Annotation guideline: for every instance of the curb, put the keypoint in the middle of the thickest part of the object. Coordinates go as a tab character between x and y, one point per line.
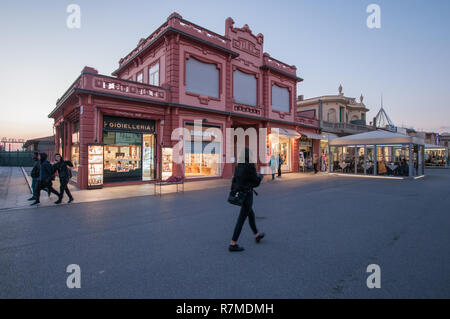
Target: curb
27	179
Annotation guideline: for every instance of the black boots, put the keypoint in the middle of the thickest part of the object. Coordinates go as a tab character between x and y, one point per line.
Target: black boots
70	200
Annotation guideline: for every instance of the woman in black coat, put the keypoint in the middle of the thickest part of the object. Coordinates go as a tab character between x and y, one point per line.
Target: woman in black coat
244	180
64	176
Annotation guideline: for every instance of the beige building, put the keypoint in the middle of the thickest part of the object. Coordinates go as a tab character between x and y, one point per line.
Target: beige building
338	114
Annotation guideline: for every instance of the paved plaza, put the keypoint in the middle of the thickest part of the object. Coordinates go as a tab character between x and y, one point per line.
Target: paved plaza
322	232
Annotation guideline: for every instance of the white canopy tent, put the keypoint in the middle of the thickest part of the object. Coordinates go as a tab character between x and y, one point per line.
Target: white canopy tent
377	137
377	152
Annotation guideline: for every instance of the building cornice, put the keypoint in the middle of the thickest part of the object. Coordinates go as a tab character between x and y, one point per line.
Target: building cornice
184	106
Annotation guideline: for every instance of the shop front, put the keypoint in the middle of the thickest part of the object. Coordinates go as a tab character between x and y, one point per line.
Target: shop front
128	152
436	156
308	151
75	150
203	151
305	154
324	151
283	144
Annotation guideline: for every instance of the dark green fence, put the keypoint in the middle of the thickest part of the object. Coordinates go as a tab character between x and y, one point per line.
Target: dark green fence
16	158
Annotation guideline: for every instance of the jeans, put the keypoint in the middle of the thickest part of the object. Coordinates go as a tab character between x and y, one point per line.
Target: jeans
34	186
246	211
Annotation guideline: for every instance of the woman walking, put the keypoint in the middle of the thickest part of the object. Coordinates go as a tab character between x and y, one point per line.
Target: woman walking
244	180
64	174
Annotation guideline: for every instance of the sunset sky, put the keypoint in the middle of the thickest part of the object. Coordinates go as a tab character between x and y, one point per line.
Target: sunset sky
407	60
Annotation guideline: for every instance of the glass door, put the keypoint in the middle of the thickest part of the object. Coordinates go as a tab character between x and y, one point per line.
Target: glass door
148	157
285	152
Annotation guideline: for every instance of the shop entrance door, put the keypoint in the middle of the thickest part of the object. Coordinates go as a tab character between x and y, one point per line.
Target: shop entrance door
148	157
285	152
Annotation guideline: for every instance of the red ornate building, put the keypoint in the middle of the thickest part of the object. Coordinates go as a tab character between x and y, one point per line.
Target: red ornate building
117	129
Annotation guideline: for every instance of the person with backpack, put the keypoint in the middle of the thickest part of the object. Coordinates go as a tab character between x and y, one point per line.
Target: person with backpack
45	178
65	174
34	175
245	179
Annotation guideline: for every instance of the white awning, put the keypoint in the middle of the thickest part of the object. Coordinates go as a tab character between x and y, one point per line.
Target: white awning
288	133
313	136
434	147
376	137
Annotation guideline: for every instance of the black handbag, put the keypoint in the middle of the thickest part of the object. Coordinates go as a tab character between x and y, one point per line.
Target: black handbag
237	198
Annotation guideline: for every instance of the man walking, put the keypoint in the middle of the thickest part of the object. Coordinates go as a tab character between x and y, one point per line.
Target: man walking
45	178
35	175
280	162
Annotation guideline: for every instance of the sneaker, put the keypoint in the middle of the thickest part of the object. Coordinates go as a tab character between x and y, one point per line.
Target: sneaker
34	203
31	198
235	248
259	237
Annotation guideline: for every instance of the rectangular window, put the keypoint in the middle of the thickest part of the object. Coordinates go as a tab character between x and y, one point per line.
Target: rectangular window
153	74
122	156
139	77
202	153
244	88
280	99
202	78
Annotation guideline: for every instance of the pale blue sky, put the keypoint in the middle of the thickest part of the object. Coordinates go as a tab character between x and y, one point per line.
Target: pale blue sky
407	59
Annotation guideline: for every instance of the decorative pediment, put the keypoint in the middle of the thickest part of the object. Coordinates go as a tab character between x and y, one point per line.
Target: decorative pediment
243	38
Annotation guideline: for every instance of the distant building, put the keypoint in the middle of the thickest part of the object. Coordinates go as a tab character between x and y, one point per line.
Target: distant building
42	144
337	114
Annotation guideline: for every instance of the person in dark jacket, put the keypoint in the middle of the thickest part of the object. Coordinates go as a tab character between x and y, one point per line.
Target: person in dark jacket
245	179
35	175
64	174
280	162
45	178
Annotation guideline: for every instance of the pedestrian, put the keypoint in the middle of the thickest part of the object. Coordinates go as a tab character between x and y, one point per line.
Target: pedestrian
34	175
315	164
245	179
273	165
280	162
65	174
45	178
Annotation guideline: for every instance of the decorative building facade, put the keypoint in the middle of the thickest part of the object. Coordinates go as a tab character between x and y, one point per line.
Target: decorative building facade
338	115
118	129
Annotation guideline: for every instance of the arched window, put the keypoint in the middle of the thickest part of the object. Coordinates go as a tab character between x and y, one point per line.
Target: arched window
280	98
202	78
244	88
331	116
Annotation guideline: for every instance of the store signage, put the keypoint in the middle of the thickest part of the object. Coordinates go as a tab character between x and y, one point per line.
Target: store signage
128	125
305	143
